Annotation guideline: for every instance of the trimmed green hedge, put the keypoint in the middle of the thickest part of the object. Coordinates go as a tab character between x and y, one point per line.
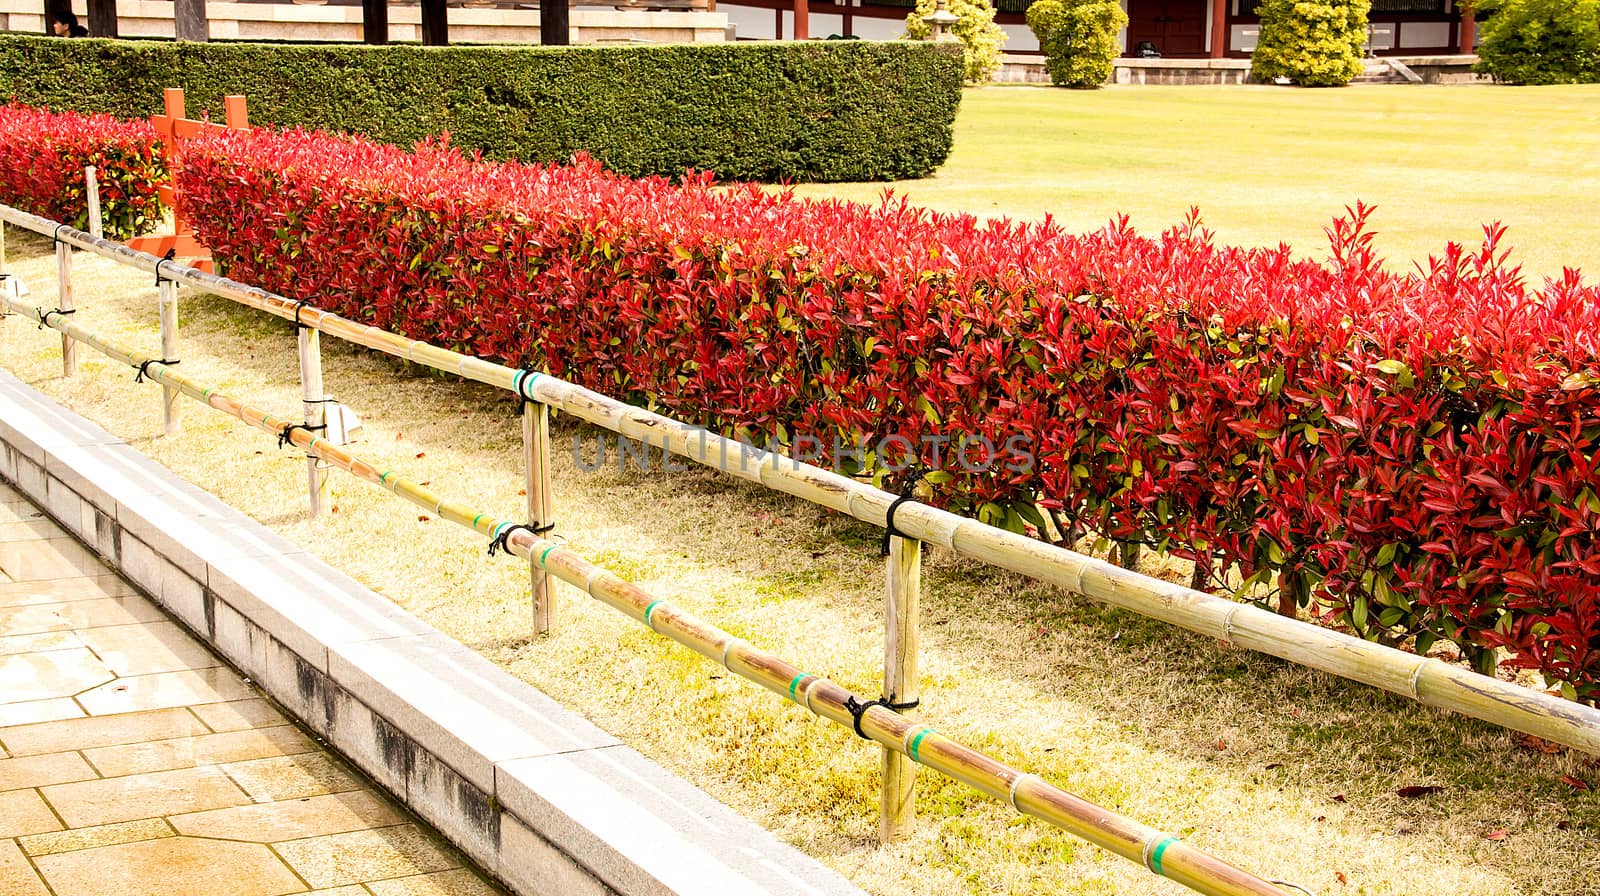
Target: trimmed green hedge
809	111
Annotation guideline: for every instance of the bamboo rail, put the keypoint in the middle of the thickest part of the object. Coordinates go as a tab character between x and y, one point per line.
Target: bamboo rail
1428	681
1161	853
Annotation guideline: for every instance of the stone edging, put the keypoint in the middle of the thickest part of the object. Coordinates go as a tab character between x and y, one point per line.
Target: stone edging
540	798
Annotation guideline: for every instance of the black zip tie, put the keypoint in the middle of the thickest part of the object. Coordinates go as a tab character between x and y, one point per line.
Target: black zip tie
144	368
171	254
545	529
288	430
329	400
299	307
56	237
44	316
857	709
500	543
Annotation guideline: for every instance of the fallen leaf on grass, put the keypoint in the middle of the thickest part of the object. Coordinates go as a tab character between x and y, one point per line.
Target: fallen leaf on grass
1340	877
1497	835
422	519
1338	797
1412	791
1574	783
1538	744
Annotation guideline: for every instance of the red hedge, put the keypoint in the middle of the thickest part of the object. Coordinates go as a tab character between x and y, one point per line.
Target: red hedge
1417	452
43	154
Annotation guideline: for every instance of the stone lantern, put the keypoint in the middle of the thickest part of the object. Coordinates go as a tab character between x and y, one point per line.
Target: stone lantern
940	21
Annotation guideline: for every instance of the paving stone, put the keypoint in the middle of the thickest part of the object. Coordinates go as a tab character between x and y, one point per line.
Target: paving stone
177	866
22	812
147	648
238	714
316	816
341	859
55	591
291	777
37	642
165	689
48	768
459	882
77	734
207	749
28	530
124	610
53	673
48	559
39	711
16	875
144	796
97	836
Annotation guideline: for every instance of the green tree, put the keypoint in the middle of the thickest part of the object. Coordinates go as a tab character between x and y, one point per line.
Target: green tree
1313	43
1079	39
1541	41
980	37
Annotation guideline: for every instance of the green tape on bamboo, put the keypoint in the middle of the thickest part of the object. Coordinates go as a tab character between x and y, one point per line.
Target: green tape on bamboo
651	608
794	686
916	744
1156	852
479	517
546	554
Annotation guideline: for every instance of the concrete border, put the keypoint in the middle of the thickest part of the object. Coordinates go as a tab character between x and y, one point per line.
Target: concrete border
540	798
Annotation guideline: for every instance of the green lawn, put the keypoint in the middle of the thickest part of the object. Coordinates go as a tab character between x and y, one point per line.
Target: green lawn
1268	165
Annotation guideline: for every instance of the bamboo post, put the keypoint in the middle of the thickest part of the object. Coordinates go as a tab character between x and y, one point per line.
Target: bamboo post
69	349
91	186
313	397
170	411
536	463
897	815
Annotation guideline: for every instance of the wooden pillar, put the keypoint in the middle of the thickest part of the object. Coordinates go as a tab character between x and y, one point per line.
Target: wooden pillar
536	463
435	23
91	189
375	22
902	635
1219	28
314	404
103	18
802	20
170	409
69	349
1468	35
553	28
189	20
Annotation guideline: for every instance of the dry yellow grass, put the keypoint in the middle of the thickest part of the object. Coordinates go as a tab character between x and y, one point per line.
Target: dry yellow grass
1289	773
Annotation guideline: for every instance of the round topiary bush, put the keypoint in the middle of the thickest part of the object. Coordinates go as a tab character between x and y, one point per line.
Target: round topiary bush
1079	39
1541	41
980	37
1313	43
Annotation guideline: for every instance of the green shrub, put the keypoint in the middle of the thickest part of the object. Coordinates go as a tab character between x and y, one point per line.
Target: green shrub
1541	41
1079	39
980	37
811	111
1313	43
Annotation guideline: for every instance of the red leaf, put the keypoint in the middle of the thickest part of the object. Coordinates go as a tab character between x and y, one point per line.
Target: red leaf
1413	791
1574	783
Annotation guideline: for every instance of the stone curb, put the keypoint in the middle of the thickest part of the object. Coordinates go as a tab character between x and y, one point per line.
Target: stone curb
539	797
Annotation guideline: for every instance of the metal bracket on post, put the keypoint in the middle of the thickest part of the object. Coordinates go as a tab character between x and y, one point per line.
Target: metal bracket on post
170	410
536	461
902	636
69	349
315	402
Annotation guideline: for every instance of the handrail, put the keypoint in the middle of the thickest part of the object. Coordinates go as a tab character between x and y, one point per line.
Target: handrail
1028	794
1425	680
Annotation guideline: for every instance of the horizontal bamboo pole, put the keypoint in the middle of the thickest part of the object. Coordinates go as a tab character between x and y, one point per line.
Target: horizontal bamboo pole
1028	794
1428	681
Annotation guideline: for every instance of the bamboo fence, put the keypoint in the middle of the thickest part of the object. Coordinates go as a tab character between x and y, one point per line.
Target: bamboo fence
1428	681
1028	794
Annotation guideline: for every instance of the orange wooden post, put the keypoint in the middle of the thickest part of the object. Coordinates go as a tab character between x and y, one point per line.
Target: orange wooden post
1219	28
174	128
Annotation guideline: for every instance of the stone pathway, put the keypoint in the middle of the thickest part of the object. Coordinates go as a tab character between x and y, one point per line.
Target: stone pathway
133	762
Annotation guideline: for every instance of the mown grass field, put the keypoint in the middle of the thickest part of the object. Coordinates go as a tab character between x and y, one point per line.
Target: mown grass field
1268	165
1289	773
